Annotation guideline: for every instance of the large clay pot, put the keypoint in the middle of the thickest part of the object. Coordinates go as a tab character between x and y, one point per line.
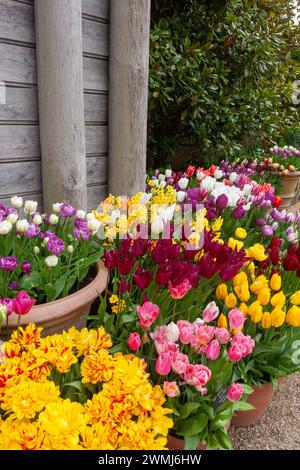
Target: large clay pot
61	314
260	399
176	443
289	185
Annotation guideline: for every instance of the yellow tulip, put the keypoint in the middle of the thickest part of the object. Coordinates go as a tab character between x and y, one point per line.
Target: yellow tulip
264	296
295	298
293	316
256	315
221	292
266	320
235	244
251	269
240	279
275	282
278	300
242	293
258	284
222	321
257	252
240	233
230	301
243	308
277	317
254	307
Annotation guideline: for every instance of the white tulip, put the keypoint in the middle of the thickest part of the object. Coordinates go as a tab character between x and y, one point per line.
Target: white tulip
51	261
183	183
56	207
157	226
45	241
172	333
200	175
22	225
37	219
163	184
233	177
5	227
53	219
247	189
208	184
161	177
93	225
70	249
12	218
30	207
16	202
198	321
36	250
180	196
218	174
168	173
90	216
81	214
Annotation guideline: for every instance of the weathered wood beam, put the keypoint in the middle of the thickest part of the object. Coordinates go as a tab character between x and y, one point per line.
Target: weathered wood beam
61	103
128	94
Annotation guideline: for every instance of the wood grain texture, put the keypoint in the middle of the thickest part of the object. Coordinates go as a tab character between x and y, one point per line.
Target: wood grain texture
21	104
96	170
96	194
19	142
95	37
96	140
18	177
129	62
61	103
95	107
97	8
17	21
95	74
17	64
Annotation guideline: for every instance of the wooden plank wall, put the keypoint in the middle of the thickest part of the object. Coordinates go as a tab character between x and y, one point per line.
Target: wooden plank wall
20	156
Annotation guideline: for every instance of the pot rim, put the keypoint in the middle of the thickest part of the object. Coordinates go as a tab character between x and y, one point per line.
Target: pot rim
59	308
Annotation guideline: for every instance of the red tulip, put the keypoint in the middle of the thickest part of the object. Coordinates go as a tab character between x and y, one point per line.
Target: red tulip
277	201
190	170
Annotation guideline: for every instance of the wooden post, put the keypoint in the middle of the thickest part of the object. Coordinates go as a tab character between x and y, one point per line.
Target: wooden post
128	95
61	103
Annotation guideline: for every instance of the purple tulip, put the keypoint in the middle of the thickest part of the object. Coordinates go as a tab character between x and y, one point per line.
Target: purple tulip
238	213
81	224
9	263
222	202
260	222
267	231
14	285
26	267
81	234
55	245
67	211
32	231
3	212
290	218
48	234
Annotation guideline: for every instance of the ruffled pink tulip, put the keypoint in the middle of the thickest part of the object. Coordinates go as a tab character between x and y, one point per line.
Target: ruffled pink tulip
186	331
222	335
235	392
180	363
171	389
210	312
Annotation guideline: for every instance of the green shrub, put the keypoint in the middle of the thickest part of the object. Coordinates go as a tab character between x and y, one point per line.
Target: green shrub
221	76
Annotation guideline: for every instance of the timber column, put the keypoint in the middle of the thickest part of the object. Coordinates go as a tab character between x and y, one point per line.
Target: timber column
61	102
128	95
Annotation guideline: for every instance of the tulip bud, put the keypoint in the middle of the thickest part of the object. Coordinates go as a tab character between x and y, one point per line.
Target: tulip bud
5	227
53	219
36	250
16	202
37	219
81	214
56	207
70	249
12	218
134	341
51	261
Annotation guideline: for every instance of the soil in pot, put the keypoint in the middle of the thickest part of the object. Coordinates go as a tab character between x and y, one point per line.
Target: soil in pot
260	399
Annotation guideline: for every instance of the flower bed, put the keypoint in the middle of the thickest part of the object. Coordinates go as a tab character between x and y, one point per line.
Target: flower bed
204	287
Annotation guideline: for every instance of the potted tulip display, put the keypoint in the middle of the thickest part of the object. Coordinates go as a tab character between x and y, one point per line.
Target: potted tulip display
54	259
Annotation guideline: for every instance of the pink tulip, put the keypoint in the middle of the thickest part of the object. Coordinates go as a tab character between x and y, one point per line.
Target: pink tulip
178	292
134	341
23	303
186	331
210	312
180	363
235	352
235	392
147	314
163	365
212	351
9	304
171	389
197	376
222	335
203	334
236	319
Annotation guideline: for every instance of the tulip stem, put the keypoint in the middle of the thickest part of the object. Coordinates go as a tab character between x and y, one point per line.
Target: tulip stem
174	310
18	328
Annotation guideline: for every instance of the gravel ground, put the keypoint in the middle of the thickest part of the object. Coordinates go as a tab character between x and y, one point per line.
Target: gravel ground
279	428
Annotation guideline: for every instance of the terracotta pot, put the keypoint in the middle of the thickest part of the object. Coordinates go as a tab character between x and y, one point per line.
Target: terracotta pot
289	184
177	443
260	399
61	314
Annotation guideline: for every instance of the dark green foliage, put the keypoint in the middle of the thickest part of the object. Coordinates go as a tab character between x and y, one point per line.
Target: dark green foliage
221	74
